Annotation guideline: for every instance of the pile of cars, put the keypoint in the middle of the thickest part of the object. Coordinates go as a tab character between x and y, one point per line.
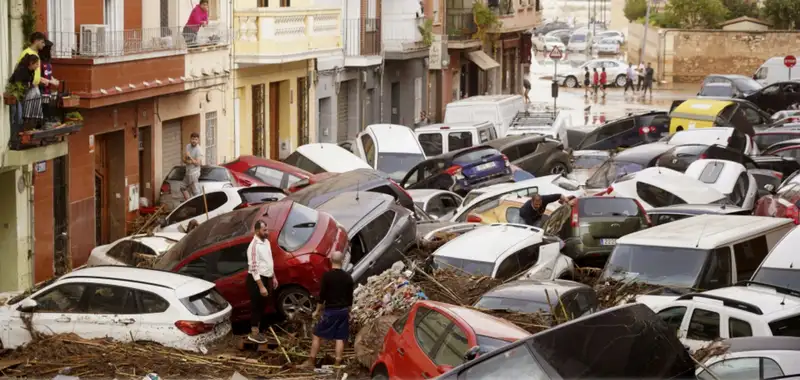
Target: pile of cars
594	37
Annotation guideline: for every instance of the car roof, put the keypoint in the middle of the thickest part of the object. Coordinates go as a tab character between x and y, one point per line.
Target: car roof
393	138
472	100
697	209
710	104
184	286
261	161
348	181
534	290
331	157
703	231
483	324
675	182
350	207
487	243
509	140
767	299
762	343
423	195
729	76
643	154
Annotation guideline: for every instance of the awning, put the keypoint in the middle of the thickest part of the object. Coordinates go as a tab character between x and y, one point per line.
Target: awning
483	60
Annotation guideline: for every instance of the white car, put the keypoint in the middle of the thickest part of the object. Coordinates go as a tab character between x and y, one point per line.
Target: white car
389	148
606	46
713	136
616	71
323	158
730	178
212	178
660	187
124	251
122	303
731	312
202	208
435	202
506	251
547	43
754	358
551	184
611	35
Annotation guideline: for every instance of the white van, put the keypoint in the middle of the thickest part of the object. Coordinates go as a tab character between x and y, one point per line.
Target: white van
498	109
390	148
323	157
437	139
773	70
781	268
728	177
580	40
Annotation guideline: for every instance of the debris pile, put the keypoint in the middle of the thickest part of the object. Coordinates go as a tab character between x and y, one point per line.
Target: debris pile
455	286
388	293
369	340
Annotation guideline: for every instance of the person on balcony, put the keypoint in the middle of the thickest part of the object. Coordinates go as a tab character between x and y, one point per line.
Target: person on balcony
36	44
46	68
30	106
198	18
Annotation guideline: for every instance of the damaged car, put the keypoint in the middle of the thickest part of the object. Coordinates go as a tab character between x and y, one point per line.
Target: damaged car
563	299
354	180
135	249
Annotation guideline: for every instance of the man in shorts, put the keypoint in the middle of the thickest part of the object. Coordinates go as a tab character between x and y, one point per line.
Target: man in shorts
526	85
191	159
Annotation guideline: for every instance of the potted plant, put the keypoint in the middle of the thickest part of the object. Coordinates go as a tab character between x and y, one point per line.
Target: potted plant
70	101
13	93
74	117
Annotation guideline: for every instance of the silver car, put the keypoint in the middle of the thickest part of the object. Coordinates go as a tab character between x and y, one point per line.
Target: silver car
211	178
606	46
615	70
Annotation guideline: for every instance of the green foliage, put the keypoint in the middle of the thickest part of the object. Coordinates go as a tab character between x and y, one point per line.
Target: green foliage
426	30
740	8
635	9
28	18
783	14
74	115
485	20
696	14
15	89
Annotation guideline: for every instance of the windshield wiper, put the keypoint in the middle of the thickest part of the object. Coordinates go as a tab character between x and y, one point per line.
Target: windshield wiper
305	225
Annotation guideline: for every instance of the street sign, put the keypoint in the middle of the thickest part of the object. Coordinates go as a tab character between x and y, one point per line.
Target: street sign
789	61
556	53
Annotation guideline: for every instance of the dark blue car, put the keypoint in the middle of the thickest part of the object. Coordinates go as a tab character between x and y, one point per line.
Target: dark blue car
460	171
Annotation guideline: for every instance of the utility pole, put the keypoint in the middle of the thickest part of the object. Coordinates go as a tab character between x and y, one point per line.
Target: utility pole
646	26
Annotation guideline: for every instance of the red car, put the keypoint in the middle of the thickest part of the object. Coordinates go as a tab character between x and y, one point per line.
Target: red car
273	173
433	337
783	204
301	239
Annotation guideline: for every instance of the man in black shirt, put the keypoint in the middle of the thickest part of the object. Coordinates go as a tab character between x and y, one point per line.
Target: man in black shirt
649	73
335	298
532	210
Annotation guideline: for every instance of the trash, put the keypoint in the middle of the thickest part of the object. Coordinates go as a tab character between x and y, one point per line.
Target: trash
390	292
151	376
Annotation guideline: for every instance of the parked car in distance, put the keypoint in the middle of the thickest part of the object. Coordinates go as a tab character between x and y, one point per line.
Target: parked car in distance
612	35
212	178
659	187
430	324
777	96
270	172
753	357
667	214
547	43
389	148
606	46
729	178
380	231
323	157
460	171
301	239
562	298
739	86
356	180
615	70
131	303
438	139
134	249
561	34
537	155
206	206
625	132
435	202
580	40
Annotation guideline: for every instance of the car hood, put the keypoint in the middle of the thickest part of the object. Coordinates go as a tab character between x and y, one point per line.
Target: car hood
427	230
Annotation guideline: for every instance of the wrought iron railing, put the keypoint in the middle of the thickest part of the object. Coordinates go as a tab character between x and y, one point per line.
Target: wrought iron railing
461	24
361	36
41	120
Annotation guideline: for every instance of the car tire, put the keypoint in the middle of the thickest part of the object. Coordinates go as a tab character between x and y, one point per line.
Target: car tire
380	373
558	167
571	82
292	299
620	81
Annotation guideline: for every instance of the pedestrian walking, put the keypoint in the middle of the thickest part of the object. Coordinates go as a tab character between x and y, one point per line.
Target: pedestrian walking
526	87
192	160
640	75
335	300
603	81
629	78
261	280
649	75
595	81
586	82
198	18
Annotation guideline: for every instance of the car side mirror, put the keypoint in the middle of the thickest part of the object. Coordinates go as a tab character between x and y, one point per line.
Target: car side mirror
444	369
770	187
27	306
472	353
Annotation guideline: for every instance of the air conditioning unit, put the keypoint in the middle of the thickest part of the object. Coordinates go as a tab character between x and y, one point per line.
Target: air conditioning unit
94	40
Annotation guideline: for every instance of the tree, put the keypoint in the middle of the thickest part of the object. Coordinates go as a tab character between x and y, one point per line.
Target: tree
635	9
783	14
696	14
740	8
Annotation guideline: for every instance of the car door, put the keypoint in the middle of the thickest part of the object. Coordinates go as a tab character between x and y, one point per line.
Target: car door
111	312
153	317
416	346
378	251
612	136
704	326
57	312
529	159
229	273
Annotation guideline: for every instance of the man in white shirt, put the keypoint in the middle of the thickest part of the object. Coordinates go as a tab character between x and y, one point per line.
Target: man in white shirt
260	280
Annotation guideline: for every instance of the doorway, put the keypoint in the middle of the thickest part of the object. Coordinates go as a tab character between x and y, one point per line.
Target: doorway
259	120
146	165
325	120
100	190
61	261
274	119
302	111
395	103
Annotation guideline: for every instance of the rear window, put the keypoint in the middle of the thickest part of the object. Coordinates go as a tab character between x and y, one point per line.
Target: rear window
765	140
475	155
711	172
786	327
298	228
431	143
656	196
204	304
590	207
296	159
475	268
717	89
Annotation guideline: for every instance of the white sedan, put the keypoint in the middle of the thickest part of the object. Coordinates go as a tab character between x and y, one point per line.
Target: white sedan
131	250
606	46
615	70
121	303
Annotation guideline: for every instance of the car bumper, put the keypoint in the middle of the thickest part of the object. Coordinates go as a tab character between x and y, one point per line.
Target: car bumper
462	189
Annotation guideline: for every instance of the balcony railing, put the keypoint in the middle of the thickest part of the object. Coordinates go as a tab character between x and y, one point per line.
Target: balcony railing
264	35
97	41
402	34
502	7
42	120
460	24
362	36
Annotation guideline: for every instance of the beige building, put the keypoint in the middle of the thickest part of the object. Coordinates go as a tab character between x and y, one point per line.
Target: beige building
745	24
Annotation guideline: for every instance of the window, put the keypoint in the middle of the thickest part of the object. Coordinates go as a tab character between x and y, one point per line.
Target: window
435	206
704	325
64	298
512	215
298	228
526	149
762	74
254	195
199	267
492	133
717	271
451	350
711	172
213	9
656	196
106	299
528	256
514	363
483	135
376	230
752	116
429	326
742	369
298	160
615	128
459	140
197	206
673	317
431	143
789	153
206	303
267	175
400	323
128	252
436	7
417	99
369	148
749	255
449	202
508	267
152	303
738	328
211	138
231	260
786	327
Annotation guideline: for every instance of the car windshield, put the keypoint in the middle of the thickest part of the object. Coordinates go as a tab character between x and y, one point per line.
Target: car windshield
476	268
780	277
747	84
603	207
588	162
717	89
489	344
611	171
471	197
396	165
511	304
298	228
664	266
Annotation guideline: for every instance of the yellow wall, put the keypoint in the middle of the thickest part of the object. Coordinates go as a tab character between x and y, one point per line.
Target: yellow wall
15	267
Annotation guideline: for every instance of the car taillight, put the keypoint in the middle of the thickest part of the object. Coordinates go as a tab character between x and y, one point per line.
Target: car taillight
646	130
779	175
574	219
453	170
793	213
165	188
702	156
505	158
192	328
397	185
641	209
444	127
241	206
605	192
472	218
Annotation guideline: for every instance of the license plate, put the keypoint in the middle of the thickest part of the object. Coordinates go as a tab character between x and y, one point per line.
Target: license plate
608	241
486	166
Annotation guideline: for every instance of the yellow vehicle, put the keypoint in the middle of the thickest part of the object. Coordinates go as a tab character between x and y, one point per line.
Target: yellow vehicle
707	113
503	210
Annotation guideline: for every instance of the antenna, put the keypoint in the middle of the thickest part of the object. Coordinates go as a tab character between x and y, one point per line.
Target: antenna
357	185
699	237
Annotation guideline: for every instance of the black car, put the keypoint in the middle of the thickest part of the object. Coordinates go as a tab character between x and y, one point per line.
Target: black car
623	342
729	86
562	298
626	132
354	180
786	165
765	141
777	96
460	171
680	157
537	155
626	162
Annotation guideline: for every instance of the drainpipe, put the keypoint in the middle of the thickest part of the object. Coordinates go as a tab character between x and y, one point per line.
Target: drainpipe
27	177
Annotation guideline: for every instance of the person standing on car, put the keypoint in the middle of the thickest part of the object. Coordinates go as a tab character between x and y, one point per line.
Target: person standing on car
191	158
261	280
630	77
603	81
649	75
532	211
335	300
586	82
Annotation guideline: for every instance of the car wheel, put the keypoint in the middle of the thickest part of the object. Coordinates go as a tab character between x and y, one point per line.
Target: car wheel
571	82
620	81
558	168
294	299
380	373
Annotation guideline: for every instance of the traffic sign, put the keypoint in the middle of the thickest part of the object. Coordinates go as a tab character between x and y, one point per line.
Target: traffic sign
555	53
789	61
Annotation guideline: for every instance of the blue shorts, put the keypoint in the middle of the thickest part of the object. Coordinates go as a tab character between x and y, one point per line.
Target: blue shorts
334	325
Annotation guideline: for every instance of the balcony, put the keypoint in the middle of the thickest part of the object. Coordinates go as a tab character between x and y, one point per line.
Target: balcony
42	137
516	15
461	29
402	37
362	42
279	35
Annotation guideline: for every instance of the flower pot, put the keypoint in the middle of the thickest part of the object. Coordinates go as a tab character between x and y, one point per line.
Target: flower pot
9	99
71	102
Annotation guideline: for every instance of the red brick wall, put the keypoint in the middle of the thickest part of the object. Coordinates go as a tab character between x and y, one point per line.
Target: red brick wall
43	223
83	75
